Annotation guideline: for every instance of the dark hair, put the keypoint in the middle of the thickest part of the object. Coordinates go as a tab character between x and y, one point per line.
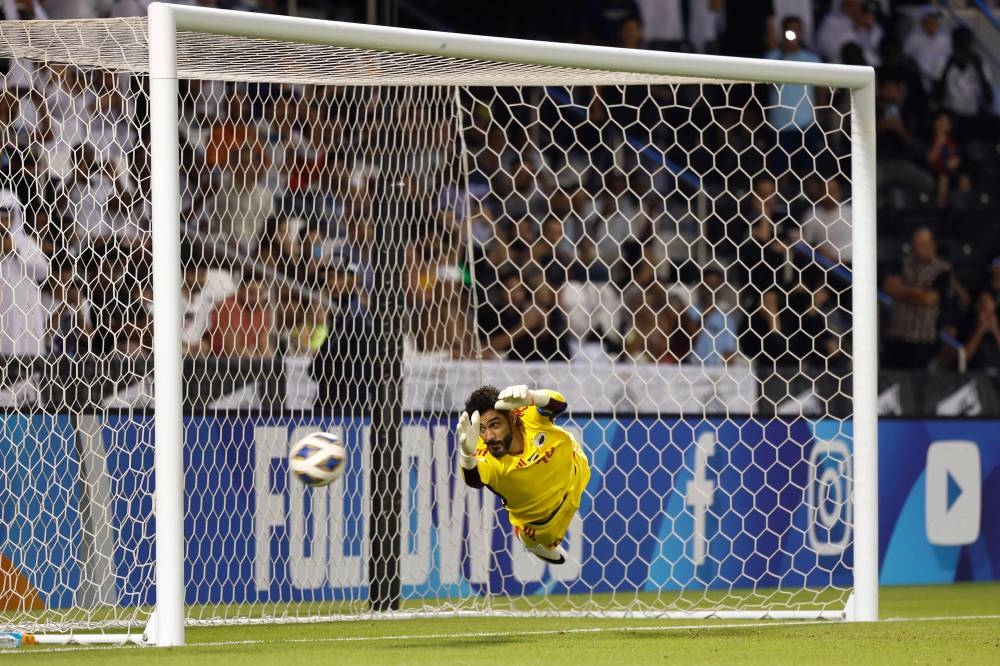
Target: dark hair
788	20
482	399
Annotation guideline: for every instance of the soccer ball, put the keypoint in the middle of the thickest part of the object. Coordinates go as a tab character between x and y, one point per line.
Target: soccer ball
318	459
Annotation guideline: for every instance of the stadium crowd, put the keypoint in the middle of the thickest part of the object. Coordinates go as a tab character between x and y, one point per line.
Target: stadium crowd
578	249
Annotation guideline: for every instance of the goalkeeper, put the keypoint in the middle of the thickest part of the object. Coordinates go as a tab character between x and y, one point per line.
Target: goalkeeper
508	443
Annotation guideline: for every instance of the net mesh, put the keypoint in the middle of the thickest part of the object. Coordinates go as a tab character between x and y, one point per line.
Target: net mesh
673	256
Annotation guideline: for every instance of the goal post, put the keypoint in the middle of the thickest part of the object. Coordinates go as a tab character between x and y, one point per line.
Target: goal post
385	197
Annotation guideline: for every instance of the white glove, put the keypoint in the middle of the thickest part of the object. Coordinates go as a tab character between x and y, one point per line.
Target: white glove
467	434
515	397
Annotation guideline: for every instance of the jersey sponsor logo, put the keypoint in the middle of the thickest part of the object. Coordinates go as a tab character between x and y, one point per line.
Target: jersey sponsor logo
539	440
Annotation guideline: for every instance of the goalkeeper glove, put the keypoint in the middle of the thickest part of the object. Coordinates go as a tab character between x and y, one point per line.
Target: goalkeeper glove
467	434
515	397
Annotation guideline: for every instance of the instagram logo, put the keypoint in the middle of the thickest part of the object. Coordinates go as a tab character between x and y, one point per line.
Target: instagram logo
829	499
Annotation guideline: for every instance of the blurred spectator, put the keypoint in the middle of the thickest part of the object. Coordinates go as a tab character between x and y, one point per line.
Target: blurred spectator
23	268
855	21
827	227
310	329
243	324
899	152
69	314
765	341
965	87
981	339
802	10
18	163
196	308
658	325
918	291
766	258
992	283
549	254
792	107
703	25
663	23
944	158
618	220
812	342
343	366
715	340
244	200
277	244
605	17
103	121
748	27
524	323
236	127
631	34
93	195
929	46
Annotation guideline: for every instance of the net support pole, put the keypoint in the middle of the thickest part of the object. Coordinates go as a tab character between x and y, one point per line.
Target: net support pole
168	505
865	352
388	307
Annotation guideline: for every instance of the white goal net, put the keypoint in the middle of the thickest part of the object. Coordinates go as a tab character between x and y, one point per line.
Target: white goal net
366	237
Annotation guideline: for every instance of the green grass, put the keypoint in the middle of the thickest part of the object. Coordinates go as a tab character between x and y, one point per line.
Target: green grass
921	625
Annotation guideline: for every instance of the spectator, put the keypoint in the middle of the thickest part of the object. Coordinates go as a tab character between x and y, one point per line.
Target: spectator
245	199
802	10
310	328
812	342
524	322
748	27
243	324
631	34
343	366
18	163
69	315
982	335
765	341
792	107
929	46
944	159
918	291
618	220
703	25
965	87
855	21
663	23
992	283
659	327
766	258
605	17
715	341
826	227
899	152
196	306
92	196
23	268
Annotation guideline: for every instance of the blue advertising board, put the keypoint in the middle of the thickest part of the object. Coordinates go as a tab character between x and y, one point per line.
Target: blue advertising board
672	504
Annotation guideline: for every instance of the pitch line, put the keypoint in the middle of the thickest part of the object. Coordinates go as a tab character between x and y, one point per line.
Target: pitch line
704	626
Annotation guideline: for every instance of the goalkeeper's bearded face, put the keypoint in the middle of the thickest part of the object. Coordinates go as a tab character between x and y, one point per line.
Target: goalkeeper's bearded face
497	433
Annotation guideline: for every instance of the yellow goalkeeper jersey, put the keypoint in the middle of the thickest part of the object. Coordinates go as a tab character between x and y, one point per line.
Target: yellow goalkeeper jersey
535	483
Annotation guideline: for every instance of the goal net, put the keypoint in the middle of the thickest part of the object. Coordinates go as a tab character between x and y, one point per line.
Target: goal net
364	226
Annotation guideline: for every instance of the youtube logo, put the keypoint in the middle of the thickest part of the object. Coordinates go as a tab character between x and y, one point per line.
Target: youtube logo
953	495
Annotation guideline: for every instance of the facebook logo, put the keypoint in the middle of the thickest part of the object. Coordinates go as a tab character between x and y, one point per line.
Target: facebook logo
953	497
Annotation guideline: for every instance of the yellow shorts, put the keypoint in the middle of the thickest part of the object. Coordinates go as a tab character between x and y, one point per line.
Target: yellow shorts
551	533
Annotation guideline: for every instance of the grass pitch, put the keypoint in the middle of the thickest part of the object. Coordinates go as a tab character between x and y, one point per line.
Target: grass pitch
958	624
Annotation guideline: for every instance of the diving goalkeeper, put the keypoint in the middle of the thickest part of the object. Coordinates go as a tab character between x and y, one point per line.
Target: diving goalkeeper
508	443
